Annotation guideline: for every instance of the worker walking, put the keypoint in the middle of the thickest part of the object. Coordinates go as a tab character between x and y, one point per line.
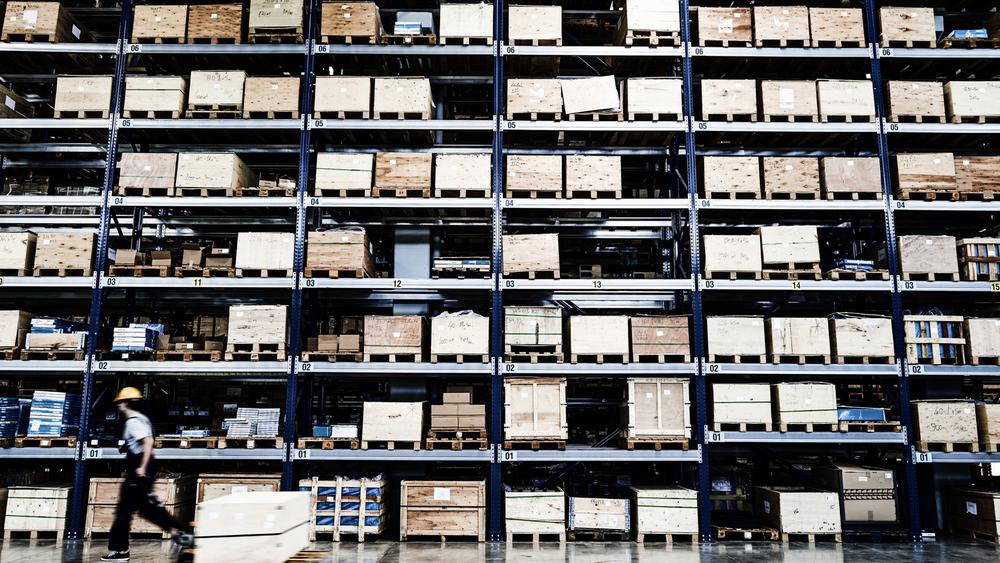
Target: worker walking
137	490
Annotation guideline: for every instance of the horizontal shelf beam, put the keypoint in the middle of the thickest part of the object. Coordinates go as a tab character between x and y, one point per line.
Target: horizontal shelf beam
381	369
808	437
235	369
481	456
235	123
197	282
612	126
598	370
583	453
795	285
404	124
791	205
797	127
401	202
202	202
797	370
643	204
414	50
402	284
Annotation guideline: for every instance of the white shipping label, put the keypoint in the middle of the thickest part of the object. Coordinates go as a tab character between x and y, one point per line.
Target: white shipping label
396	335
30	18
659	333
850	163
786	97
767	507
666	392
726	25
442	493
239	489
157	19
9	102
649	395
862	478
274	86
76	32
347	15
971	508
214	16
789	168
147	168
888	475
967	411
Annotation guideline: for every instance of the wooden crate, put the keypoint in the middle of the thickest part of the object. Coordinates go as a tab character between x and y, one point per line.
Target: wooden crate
36	508
392	422
730	177
265	251
13	326
781	26
213	170
533	327
846	100
850	176
535	513
934	257
736	336
944	421
215	23
355	503
394	335
728	99
664	510
798	338
534	174
983	338
917	174
460	335
741	403
804	403
344	174
534	98
534	408
869	493
148	171
175	493
271	95
591	176
662	338
791	247
161	24
596	95
464	175
265	526
977	176
249	324
342	97
41	21
861	337
648	22
653	99
797	510
725	26
988	421
339	251
974	512
795	177
65	251
350	22
789	100
400	173
442	509
934	339
465	24
907	27
598	336
837	27
917	101
531	254
408	98
534	25
12	105
599	514
17	253
214	485
145	96
272	20
82	96
974	102
657	407
731	255
216	89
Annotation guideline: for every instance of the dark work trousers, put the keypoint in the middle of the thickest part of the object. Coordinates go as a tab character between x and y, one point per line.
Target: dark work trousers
137	495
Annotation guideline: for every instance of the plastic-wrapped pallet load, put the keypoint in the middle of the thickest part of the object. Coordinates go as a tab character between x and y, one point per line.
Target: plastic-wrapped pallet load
260	527
54	413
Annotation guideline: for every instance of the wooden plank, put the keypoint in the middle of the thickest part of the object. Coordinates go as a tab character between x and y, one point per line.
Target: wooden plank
978	175
781	26
339	250
534	25
462	172
542	512
922	101
356	22
923	254
731	175
804	403
741	403
608	514
728	98
213	170
907	27
657	407
850	175
951	421
465	21
82	94
534	97
530	253
791	175
798	336
736	336
732	253
216	87
250	324
534	174
71	250
796	510
724	26
442	494
396	421
17	251
869	336
535	408
401	97
460	335
400	334
159	23
794	100
350	96
400	170
974	101
215	23
660	337
589	173
846	100
271	94
837	27
147	170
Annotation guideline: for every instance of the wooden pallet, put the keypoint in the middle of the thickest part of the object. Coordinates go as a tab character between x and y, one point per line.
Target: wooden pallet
210	40
263	273
738	359
534	194
837	44
392	39
45	442
869	426
908	44
534	357
593	194
401	192
537	42
711	275
335	274
805	118
597	535
33	534
332	357
864	360
650	38
642	116
975	534
291	35
389	115
984	360
80	114
536	537
800	43
970	43
723	43
984	195
661	358
741	427
158	41
975	119
270	114
924	194
13	272
251	442
930	276
206	442
349	39
811	538
534	274
723	533
189	356
596	116
535	444
813	273
853	196
203	192
843	118
657	443
667	538
126	355
144	191
807	427
915	118
51	355
264	192
255	352
474	439
732	117
732	195
314	443
10	354
214	111
463	193
800	359
341	115
465	40
199	272
28	37
599	358
534	116
390	445
413	357
140	271
62	272
460	358
792	195
948	447
858	275
309	556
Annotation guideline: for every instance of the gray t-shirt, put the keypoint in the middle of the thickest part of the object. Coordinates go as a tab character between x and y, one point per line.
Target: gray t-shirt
137	427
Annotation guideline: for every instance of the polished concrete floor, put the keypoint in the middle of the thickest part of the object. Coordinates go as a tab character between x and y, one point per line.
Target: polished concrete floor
41	551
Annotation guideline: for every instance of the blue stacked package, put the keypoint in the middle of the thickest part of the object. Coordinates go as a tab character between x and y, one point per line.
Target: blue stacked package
861	414
54	413
136	337
55	325
10	416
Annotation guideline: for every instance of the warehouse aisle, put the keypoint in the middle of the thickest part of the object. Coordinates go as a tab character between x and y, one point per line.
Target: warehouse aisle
22	551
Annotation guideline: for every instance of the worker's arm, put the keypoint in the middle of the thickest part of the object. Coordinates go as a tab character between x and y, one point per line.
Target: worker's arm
147	452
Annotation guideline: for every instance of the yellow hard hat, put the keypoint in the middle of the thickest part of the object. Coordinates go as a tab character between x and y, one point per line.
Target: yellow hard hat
127	394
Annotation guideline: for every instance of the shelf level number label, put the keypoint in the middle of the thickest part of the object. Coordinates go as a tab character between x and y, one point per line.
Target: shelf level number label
93	453
886	52
916	370
102	366
994	286
715	437
713	368
924	457
509	50
509	284
301	454
507	456
305	366
509	367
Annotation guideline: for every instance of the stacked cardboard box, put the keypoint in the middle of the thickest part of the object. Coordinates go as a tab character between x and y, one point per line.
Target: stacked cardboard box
458	413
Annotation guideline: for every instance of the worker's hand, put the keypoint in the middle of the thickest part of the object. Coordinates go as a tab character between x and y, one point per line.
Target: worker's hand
140	471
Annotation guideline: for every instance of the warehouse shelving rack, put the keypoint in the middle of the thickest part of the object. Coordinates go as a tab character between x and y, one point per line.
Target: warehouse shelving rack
499	207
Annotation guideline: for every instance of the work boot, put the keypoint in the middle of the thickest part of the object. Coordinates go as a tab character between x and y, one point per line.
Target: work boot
116	556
